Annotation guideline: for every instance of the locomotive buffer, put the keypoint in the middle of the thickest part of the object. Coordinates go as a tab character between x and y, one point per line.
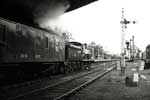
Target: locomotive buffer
124	23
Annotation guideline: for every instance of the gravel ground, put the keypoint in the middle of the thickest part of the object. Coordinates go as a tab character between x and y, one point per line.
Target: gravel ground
113	87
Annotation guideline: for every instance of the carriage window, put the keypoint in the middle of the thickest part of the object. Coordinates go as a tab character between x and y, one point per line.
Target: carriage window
46	43
2	32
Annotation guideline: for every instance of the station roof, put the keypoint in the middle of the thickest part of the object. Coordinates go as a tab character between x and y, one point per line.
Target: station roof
27	11
75	4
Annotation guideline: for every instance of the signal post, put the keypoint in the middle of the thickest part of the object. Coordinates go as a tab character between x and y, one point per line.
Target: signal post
124	23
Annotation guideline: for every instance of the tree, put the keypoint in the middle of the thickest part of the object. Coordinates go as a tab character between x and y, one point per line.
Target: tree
96	50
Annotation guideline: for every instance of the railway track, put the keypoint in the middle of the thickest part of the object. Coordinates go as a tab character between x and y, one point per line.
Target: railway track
62	90
34	85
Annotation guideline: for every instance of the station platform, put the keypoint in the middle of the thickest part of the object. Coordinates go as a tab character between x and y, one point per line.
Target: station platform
113	86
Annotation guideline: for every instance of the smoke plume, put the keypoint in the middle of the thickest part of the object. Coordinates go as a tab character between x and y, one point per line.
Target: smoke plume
32	12
49	10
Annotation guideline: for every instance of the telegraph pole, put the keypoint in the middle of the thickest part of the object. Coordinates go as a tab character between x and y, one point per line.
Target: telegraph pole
124	23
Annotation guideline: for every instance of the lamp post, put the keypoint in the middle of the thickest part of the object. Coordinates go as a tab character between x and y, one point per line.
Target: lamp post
133	48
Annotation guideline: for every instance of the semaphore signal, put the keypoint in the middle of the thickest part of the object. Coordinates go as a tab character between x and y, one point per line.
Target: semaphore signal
124	23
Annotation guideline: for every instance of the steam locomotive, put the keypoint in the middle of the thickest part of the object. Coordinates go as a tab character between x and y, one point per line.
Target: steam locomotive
32	51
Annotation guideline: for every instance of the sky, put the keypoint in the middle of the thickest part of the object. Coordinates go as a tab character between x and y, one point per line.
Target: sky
100	22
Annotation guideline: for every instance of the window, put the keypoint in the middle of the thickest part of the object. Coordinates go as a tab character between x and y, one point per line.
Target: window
46	43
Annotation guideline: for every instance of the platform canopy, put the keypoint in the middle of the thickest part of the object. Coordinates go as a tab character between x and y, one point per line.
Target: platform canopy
33	11
75	4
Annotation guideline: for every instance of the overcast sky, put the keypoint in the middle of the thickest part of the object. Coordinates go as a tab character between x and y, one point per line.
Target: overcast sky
100	22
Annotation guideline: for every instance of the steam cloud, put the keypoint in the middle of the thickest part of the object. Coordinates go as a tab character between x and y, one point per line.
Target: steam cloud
46	14
32	12
49	10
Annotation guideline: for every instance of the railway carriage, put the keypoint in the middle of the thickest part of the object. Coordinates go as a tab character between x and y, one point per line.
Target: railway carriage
21	43
25	49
